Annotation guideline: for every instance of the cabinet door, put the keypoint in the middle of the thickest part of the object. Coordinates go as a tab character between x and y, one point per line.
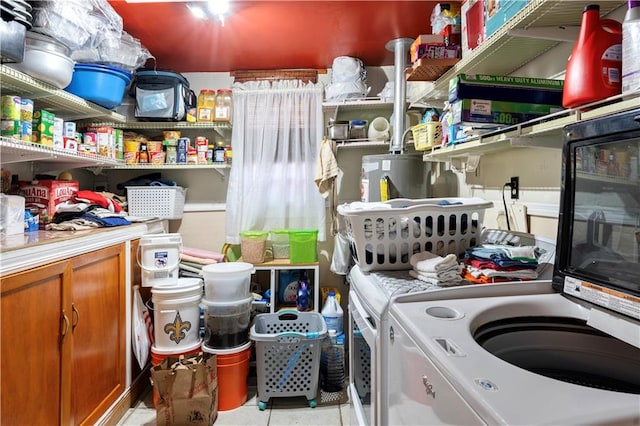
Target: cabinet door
98	324
35	340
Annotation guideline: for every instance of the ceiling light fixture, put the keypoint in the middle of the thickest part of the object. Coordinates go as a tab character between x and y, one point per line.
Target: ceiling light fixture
197	11
217	9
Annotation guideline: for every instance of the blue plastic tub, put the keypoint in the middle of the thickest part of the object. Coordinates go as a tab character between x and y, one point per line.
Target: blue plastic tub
101	84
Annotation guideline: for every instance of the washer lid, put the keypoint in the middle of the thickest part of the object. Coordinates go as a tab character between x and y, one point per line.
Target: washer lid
599	223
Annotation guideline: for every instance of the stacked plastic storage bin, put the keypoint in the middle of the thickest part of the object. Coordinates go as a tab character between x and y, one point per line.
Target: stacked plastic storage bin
227	312
176	301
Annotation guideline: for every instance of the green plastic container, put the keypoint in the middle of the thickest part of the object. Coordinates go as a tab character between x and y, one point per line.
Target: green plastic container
252	246
280	243
303	246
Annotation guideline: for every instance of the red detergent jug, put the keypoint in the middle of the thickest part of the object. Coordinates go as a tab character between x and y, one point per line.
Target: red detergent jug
595	66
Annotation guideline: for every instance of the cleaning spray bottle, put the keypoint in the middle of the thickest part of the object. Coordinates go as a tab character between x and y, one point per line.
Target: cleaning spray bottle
631	48
595	66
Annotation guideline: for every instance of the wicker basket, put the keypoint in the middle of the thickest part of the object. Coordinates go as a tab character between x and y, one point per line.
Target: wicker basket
384	236
164	202
427	135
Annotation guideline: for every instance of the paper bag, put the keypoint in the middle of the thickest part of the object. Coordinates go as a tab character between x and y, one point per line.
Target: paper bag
187	389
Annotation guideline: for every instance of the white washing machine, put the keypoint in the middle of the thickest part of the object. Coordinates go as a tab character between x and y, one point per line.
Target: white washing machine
371	295
561	353
369	298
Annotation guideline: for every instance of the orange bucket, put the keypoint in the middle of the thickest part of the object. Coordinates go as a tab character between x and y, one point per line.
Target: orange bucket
158	355
233	371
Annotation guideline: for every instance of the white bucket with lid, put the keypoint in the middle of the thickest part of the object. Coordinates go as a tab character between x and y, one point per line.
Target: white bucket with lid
159	257
176	314
227	281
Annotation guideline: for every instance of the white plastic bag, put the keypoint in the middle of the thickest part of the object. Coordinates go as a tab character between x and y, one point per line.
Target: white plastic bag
142	338
348	79
341	254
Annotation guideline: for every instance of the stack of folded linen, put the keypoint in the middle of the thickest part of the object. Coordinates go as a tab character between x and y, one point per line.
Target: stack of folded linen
193	259
500	263
438	270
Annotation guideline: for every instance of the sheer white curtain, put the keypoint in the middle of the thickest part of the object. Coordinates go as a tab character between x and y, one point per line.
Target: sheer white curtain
277	134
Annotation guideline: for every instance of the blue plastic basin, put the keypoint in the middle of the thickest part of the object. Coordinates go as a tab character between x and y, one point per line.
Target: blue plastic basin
101	84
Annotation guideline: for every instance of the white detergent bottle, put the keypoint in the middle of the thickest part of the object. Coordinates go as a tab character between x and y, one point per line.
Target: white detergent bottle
631	48
332	313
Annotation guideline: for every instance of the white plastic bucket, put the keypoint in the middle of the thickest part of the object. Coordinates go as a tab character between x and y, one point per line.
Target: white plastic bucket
176	314
228	281
159	257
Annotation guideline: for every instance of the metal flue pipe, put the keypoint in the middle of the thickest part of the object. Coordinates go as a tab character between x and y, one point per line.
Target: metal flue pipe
400	48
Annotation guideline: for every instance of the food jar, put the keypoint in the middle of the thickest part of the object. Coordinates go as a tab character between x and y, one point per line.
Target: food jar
206	105
224	107
358	129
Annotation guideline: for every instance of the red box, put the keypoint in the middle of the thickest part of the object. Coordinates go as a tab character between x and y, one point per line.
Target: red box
47	194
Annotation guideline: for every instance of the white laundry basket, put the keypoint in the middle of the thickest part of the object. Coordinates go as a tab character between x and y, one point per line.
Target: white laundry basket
288	348
384	235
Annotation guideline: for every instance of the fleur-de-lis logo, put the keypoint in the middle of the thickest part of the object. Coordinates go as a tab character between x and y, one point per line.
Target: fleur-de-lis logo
176	329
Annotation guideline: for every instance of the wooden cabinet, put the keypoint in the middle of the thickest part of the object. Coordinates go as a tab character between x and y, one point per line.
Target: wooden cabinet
36	309
98	329
63	339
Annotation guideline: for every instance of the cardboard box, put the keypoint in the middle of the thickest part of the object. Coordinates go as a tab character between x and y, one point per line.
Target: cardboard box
45	195
482	112
43	127
422	43
498	13
472	25
506	88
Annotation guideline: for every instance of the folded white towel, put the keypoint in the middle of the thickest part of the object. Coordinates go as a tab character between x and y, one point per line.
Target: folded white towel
442	283
445	275
429	262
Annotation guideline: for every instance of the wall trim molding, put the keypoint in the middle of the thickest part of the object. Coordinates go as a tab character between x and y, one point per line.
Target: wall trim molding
542	210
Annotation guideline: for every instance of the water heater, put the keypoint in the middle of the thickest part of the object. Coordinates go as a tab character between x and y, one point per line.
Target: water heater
388	176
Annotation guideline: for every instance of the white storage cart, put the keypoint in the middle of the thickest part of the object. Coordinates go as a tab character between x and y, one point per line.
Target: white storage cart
288	349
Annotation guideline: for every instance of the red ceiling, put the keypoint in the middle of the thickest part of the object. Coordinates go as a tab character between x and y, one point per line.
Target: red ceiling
286	34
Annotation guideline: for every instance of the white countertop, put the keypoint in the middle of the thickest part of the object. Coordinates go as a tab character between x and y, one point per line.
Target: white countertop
31	249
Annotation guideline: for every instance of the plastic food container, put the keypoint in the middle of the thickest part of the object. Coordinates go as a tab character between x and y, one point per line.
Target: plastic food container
227	281
303	246
100	84
227	323
280	243
358	129
252	245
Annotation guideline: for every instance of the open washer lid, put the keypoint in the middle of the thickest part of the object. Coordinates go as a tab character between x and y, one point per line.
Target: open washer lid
598	249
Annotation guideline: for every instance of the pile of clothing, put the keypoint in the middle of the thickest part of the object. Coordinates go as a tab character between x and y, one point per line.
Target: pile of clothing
87	210
431	268
500	263
193	259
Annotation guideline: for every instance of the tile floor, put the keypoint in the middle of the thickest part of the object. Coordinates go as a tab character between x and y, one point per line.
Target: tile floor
280	411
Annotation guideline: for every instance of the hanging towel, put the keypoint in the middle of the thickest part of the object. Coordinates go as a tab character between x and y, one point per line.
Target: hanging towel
326	168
